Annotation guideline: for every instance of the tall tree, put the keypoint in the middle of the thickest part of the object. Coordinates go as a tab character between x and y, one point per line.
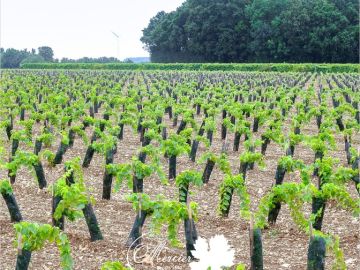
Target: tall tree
46	53
11	58
256	31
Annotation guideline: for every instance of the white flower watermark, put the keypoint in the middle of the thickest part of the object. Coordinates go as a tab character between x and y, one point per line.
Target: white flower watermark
213	254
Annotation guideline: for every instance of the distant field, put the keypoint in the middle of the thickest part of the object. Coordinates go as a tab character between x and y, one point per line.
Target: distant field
278	67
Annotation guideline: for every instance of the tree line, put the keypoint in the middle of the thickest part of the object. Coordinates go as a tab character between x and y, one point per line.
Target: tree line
14	58
256	31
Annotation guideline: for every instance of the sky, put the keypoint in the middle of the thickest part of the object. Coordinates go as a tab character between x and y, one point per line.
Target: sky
78	28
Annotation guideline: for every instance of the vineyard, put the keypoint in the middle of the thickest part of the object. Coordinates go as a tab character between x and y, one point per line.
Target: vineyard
91	160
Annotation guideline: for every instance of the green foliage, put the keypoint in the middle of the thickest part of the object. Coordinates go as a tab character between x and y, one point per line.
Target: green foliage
153	135
113	266
274	134
5	187
28	127
21	135
221	160
290	164
224	164
274	67
333	246
329	175
153	155
241	266
105	144
176	144
48	155
79	131
322	142
64	137
73	199
331	191
208	155
11	58
184	179
121	172
296	195
47	138
230	184
140	169
210	124
250	157
33	236
46	53
295	139
73	166
74	196
256	31
187	177
22	158
354	154
164	212
126	171
293	194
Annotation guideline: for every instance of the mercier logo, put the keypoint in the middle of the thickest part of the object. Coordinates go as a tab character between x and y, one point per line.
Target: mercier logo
214	254
155	254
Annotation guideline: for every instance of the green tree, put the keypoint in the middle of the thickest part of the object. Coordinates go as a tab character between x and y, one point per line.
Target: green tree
256	31
46	53
11	58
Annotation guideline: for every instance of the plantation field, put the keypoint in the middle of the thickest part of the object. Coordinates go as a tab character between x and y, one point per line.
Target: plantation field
228	153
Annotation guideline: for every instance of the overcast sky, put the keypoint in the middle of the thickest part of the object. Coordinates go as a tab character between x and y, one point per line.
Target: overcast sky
77	28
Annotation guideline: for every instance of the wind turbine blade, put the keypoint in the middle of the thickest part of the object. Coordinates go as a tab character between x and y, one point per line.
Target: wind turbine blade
116	35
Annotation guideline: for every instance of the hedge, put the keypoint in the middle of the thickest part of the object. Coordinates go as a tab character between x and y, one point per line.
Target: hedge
281	67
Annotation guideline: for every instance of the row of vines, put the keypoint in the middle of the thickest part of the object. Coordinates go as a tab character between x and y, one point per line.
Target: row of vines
176	116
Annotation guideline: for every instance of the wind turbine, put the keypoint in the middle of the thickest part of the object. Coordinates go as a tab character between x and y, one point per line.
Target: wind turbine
117	44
